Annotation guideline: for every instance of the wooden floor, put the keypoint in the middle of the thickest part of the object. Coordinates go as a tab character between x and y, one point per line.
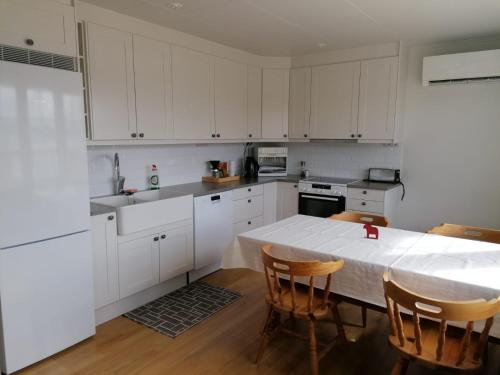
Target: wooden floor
227	343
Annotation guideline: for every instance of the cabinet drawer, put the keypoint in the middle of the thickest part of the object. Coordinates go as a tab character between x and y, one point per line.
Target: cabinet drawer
365	194
247	225
244	209
365	206
249	191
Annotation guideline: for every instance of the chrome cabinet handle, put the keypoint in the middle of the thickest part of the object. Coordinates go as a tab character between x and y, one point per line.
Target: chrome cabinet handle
156	238
110	217
133	135
163	236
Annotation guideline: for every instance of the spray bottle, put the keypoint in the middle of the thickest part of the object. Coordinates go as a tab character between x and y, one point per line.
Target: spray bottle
154	180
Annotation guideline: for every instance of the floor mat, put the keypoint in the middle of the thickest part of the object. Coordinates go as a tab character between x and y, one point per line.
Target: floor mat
180	310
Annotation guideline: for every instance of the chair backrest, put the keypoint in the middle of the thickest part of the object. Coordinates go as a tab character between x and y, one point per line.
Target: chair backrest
362	218
273	267
443	311
467	232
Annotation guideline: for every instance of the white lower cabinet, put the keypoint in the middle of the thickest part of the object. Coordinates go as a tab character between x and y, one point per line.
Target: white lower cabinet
377	202
138	264
151	257
287	200
270	204
248	208
176	252
105	259
246	225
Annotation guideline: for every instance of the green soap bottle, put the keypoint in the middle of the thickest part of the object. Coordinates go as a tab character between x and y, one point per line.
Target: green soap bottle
154	180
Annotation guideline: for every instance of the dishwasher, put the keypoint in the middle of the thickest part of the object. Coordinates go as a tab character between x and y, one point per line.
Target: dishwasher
213	232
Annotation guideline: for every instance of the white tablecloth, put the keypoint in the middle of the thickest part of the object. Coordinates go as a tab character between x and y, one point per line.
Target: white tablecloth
437	266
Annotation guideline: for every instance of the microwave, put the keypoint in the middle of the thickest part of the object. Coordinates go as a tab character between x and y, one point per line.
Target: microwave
384	175
272	161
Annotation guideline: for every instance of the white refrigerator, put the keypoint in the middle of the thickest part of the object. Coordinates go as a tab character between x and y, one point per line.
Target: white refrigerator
46	292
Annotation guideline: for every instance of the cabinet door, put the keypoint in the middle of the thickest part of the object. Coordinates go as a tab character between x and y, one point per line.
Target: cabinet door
270	203
275	84
299	109
377	98
138	264
176	252
111	78
334	101
254	102
50	25
288	200
105	259
230	98
192	82
153	89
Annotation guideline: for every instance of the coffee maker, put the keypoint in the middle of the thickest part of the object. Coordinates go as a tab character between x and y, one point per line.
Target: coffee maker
250	164
251	167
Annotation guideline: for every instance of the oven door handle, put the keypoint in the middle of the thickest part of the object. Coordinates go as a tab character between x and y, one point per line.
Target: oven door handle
320	198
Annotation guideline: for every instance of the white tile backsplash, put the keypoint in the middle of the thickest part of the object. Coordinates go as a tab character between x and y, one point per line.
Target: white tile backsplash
177	164
180	164
342	159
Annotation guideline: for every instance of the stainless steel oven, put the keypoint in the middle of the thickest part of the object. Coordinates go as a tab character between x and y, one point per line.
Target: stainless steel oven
322	197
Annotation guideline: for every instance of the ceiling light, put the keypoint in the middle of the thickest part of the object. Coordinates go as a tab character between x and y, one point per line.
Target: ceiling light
175	6
321	45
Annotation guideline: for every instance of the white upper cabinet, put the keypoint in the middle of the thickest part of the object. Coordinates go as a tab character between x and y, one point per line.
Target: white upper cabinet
230	98
334	100
192	82
377	99
300	103
275	87
40	25
153	89
254	102
110	66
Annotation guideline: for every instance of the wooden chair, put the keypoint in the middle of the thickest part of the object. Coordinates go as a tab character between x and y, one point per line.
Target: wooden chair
431	343
299	301
467	232
362	218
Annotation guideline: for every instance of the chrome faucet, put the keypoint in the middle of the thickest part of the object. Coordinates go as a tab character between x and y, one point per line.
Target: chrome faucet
118	180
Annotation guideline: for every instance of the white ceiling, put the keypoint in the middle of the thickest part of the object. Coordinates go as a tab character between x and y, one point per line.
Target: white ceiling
296	27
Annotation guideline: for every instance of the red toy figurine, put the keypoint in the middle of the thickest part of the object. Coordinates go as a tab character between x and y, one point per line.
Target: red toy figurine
371	230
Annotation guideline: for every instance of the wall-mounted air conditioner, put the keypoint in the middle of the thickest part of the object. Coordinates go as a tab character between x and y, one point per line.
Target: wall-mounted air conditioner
461	67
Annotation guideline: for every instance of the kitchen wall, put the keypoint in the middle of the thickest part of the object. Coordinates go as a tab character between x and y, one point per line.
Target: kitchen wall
451	150
177	164
342	159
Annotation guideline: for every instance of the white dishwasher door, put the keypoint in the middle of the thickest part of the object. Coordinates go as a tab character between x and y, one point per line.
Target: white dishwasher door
213	228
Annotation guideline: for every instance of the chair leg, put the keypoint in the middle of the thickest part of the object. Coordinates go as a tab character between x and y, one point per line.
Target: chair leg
338	322
400	366
363	315
313	348
264	338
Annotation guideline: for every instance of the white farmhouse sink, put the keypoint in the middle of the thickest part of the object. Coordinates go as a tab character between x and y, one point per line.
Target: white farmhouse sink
148	209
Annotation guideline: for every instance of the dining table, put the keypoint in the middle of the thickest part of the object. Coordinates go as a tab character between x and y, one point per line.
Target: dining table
436	266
